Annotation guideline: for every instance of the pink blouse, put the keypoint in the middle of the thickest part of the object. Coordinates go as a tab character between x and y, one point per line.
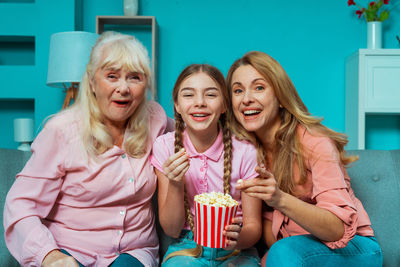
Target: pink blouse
93	208
328	187
206	169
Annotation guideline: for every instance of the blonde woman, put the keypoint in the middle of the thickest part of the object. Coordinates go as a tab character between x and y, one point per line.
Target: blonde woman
313	217
201	156
84	197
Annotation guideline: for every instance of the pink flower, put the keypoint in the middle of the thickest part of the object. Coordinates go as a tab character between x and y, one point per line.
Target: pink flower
351	2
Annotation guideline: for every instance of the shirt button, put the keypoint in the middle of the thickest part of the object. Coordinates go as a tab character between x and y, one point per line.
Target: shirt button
120	232
123	156
122	212
201	182
130	180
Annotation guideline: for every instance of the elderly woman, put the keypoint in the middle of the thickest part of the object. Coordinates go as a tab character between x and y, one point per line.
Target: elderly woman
84	197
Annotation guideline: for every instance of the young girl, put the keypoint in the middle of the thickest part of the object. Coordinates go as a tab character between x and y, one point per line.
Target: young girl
202	156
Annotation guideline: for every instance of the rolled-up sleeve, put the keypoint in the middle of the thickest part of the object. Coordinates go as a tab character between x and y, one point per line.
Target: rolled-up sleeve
32	197
330	190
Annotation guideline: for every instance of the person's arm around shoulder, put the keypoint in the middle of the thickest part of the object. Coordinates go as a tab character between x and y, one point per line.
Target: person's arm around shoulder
159	120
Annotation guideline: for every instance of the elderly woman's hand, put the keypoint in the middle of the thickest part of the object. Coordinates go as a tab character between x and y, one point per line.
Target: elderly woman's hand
263	187
57	258
176	166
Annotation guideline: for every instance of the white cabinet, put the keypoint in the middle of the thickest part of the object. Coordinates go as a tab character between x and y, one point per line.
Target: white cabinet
134	22
372	87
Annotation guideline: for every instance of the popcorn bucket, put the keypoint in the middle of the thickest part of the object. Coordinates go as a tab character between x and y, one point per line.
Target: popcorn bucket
210	222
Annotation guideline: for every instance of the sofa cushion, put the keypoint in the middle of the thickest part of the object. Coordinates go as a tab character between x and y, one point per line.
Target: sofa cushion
375	178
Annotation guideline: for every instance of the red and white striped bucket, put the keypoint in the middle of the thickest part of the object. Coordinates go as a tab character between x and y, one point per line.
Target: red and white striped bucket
209	224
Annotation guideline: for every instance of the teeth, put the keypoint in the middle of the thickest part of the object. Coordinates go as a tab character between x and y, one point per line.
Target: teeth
199	115
251	112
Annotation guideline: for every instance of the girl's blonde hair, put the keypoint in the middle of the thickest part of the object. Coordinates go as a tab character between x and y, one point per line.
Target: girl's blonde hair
288	148
218	77
120	51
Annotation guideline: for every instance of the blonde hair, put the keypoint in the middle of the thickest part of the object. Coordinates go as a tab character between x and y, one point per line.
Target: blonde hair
218	77
120	51
288	148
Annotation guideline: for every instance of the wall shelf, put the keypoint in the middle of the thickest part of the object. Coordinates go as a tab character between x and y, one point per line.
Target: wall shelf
17	50
135	24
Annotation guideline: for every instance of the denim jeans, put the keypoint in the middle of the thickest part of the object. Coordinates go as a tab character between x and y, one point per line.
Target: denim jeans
246	257
307	250
123	260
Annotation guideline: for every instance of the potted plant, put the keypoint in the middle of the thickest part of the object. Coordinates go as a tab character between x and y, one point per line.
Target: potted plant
374	13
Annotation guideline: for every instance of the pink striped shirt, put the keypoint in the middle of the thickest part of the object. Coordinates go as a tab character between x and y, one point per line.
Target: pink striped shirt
328	187
94	209
206	169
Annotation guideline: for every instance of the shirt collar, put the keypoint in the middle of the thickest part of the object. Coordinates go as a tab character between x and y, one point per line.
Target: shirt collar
213	153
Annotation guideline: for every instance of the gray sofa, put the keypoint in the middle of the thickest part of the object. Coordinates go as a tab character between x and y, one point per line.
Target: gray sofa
375	180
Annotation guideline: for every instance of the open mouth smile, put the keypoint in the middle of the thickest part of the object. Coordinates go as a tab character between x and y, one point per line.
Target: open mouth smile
199	116
250	114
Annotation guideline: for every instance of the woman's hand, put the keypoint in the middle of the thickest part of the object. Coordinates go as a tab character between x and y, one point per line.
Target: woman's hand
59	259
176	166
263	187
232	233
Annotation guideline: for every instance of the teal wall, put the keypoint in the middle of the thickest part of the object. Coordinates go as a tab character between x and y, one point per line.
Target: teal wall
310	39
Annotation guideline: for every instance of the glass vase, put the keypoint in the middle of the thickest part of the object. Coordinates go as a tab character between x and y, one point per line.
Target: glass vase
131	7
374	35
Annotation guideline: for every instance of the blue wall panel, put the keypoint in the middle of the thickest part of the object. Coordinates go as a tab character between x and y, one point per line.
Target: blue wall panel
39	19
310	39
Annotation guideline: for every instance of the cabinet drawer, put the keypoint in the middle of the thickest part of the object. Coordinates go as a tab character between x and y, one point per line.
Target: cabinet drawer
382	83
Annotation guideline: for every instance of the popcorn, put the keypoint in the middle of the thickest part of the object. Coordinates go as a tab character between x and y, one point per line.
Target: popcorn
216	199
213	212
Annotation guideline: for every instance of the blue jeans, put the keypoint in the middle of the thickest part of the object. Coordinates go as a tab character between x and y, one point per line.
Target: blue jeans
307	250
246	257
123	260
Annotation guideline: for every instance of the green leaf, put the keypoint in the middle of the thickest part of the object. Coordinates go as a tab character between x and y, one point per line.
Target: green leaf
384	15
378	4
370	15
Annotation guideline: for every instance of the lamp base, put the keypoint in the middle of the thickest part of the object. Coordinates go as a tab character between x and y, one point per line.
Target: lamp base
24	146
71	94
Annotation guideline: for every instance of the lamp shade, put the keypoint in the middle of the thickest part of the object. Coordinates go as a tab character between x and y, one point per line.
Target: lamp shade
23	130
68	57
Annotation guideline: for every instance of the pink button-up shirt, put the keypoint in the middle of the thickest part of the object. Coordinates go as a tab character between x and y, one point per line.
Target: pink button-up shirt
95	209
328	187
205	173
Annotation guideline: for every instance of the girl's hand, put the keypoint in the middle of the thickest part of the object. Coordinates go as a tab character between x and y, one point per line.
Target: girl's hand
176	166
232	233
57	258
263	187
